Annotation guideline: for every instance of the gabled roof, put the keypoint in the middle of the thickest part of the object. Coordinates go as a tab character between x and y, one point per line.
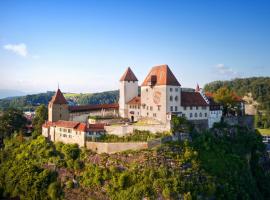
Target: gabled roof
84	108
162	75
135	100
67	124
128	76
192	99
58	98
96	127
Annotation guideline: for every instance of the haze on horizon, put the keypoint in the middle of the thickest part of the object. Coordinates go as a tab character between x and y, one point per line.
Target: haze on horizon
86	46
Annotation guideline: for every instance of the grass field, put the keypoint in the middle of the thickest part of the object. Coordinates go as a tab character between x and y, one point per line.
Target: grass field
264	131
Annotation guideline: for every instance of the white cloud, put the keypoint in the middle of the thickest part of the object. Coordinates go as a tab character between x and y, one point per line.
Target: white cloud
20	49
226	71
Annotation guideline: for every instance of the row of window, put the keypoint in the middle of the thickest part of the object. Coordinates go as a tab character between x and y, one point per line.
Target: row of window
196	115
195	107
134	106
154	114
65	130
65	135
150	107
175	98
175	108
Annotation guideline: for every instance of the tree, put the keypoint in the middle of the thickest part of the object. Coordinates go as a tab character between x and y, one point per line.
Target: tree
180	124
12	121
40	117
226	98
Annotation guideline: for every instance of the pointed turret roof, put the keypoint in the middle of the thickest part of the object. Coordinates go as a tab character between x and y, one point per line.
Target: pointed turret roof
163	76
128	76
58	98
197	88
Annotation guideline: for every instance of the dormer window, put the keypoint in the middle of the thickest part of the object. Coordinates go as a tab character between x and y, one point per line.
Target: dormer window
153	80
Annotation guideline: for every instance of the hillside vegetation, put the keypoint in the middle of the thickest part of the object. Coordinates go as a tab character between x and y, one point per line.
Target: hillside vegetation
259	87
225	163
29	102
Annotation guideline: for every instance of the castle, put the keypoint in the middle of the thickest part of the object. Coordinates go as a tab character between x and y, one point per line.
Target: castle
159	97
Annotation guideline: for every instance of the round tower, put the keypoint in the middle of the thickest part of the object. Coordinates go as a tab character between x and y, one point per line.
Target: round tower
127	91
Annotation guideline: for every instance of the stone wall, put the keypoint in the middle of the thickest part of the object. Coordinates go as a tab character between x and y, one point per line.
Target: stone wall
122	130
104	147
247	121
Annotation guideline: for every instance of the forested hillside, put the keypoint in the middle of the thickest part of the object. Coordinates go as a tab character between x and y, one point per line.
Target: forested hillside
258	86
29	102
226	163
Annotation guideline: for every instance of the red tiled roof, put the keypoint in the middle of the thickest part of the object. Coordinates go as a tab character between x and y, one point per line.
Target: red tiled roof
84	108
58	98
67	124
96	127
161	75
135	100
128	76
192	99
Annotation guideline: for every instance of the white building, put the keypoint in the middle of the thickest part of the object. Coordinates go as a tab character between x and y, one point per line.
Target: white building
161	97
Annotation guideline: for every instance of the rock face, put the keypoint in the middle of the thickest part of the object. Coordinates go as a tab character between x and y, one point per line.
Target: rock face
251	105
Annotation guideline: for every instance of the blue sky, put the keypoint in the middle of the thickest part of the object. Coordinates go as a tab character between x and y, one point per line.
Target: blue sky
87	45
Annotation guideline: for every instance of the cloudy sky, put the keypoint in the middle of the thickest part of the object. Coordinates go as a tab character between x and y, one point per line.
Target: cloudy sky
85	47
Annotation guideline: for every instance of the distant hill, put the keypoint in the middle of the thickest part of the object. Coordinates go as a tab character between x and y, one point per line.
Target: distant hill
29	102
258	87
10	93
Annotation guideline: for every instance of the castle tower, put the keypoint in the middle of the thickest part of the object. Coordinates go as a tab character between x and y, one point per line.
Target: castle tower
58	108
128	90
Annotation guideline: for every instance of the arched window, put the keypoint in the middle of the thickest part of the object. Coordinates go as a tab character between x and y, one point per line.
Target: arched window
190	115
196	115
200	115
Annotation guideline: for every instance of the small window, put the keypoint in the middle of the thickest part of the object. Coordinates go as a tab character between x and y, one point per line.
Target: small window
158	107
190	115
151	108
171	89
171	108
205	114
171	98
200	114
147	114
190	107
183	115
176	108
176	98
154	115
196	115
197	107
176	89
146	89
185	107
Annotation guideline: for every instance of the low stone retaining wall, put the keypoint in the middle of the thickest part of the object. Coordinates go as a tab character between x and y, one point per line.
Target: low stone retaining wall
247	121
122	130
104	147
115	147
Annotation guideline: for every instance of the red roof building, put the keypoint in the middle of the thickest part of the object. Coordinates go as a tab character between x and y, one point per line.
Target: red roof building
192	99
58	98
161	75
128	76
135	101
